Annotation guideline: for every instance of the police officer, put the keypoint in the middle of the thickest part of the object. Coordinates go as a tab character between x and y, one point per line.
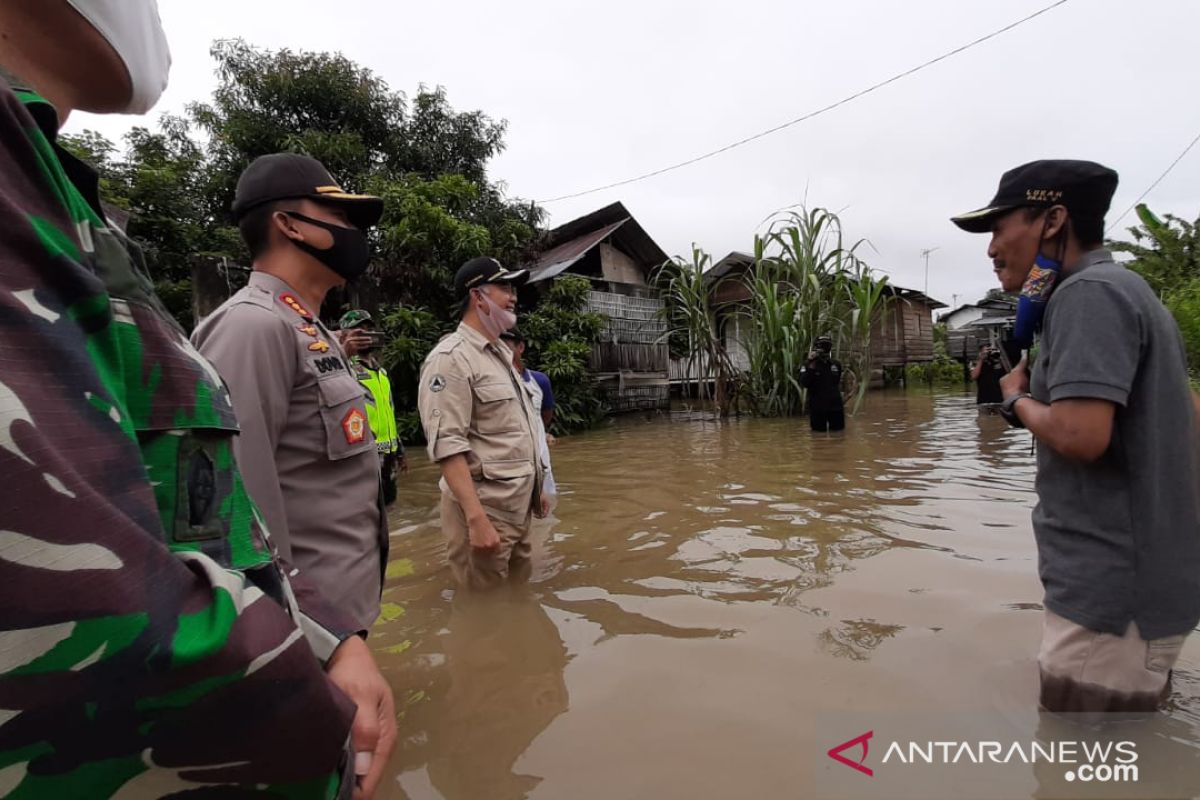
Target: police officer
481	427
361	342
822	376
307	453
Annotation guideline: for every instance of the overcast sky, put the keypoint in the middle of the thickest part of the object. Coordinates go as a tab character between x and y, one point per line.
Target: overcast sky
598	93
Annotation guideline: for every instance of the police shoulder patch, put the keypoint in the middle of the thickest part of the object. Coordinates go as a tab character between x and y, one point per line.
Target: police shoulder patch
437	383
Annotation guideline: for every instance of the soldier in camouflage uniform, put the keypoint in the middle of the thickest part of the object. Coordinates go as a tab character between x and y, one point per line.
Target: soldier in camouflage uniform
150	644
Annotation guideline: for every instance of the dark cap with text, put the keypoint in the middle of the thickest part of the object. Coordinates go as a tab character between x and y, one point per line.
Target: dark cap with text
1085	188
292	176
478	271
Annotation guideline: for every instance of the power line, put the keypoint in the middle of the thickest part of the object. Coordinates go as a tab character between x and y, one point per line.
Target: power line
1167	172
811	114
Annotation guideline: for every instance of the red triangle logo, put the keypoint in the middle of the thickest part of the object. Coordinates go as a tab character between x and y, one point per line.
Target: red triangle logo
836	753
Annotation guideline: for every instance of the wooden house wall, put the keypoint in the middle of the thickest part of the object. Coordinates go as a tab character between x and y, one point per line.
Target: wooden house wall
902	334
631	361
617	267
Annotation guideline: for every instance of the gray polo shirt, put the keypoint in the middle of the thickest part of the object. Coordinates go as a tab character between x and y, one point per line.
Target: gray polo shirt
1119	539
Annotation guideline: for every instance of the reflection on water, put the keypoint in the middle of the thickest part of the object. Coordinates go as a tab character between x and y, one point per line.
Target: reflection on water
705	588
504	668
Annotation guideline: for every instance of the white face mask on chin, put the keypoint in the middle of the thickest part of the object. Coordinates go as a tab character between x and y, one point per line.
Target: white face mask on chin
133	29
496	320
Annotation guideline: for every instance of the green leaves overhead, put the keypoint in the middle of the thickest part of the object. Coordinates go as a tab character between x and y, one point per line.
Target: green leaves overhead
426	159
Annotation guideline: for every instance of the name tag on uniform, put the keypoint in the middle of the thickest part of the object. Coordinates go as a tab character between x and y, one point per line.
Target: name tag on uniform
325	365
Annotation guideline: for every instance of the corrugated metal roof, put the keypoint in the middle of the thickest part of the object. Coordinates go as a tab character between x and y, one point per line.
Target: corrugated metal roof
631	238
728	263
558	259
913	295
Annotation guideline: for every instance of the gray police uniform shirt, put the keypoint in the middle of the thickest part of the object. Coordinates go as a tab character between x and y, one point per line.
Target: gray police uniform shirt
306	452
1119	539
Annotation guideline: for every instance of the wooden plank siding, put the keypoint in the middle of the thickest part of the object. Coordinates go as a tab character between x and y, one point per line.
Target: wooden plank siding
631	362
902	334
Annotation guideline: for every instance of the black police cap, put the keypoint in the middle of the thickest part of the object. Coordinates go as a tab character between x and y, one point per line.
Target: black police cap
292	176
1085	188
513	335
484	269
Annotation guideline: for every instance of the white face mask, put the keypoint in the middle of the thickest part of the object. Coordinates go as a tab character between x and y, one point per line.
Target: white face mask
132	28
497	319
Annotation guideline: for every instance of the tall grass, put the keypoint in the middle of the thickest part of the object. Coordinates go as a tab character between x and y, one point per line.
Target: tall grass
805	282
692	326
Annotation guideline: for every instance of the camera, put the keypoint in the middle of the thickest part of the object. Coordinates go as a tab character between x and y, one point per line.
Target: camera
377	339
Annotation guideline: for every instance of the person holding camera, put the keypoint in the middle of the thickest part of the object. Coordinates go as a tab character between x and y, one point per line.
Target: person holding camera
987	372
362	342
822	377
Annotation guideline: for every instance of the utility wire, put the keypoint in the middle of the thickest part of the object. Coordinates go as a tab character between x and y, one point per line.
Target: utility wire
1150	189
811	114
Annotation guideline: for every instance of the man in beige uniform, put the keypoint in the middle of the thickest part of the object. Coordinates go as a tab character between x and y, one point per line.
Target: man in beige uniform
480	423
307	454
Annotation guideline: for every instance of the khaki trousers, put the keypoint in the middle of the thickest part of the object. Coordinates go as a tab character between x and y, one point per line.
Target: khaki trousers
485	569
1086	671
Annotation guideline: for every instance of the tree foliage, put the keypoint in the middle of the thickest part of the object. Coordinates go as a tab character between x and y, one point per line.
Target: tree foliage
426	159
559	338
1166	252
411	333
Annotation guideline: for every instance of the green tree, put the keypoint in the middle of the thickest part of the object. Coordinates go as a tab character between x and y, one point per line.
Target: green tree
412	333
101	153
160	180
429	162
559	338
1166	252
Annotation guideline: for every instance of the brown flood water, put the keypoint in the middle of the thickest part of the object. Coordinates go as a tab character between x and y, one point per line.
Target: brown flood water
707	591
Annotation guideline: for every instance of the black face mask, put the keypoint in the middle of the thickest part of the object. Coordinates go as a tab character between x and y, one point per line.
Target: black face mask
349	254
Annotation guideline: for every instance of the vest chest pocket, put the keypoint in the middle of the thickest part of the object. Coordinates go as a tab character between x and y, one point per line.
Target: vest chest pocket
497	408
344	416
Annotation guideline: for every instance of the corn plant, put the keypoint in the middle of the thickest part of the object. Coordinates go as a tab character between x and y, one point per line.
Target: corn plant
807	282
692	326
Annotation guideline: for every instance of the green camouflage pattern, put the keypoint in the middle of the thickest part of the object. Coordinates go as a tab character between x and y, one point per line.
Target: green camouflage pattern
150	643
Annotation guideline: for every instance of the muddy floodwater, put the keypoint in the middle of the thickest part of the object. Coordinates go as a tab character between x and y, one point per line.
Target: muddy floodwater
711	600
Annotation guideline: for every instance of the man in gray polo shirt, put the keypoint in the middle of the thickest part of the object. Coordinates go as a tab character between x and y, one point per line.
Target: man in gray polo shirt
1118	519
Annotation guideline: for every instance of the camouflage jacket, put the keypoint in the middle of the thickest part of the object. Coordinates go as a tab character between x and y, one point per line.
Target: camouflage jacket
150	644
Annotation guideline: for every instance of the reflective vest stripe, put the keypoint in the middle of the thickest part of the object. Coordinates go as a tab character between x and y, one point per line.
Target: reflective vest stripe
380	414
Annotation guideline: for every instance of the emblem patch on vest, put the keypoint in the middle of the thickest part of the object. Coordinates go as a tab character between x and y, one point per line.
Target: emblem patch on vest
354	425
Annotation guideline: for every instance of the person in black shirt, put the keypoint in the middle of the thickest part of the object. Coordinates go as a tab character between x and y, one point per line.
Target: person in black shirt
987	372
822	377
